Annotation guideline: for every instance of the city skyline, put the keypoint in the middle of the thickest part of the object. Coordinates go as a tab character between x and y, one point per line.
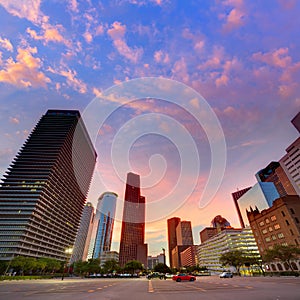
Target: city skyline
62	55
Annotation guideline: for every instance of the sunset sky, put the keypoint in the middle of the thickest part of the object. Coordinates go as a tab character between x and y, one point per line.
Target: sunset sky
242	56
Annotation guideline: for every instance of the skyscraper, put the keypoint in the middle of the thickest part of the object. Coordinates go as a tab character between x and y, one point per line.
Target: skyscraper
42	196
184	233
236	196
290	163
180	237
172	239
261	195
132	246
275	173
104	224
83	237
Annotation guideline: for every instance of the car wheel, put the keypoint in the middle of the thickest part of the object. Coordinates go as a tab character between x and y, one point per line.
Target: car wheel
192	279
231	276
178	279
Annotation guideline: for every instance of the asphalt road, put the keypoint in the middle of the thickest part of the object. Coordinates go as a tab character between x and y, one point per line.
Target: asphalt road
252	288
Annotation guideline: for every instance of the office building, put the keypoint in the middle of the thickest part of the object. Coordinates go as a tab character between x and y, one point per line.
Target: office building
103	225
80	250
184	233
188	257
275	173
155	260
132	244
218	223
296	121
207	233
279	224
43	193
107	256
290	163
261	195
236	196
231	239
180	236
172	240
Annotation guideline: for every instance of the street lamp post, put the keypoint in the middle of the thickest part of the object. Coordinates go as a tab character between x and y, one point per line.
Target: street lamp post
68	252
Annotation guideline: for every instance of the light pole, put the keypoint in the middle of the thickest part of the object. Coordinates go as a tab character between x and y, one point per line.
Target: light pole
164	253
68	252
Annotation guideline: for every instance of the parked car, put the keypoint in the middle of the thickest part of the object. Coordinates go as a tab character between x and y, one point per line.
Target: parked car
181	277
226	275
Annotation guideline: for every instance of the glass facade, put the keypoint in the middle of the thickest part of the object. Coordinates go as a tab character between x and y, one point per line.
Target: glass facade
105	216
261	195
41	197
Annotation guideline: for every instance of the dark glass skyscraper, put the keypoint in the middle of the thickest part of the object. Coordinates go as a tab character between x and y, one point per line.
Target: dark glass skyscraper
103	225
42	197
132	246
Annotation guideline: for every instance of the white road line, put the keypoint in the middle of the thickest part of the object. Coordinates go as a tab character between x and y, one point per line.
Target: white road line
150	287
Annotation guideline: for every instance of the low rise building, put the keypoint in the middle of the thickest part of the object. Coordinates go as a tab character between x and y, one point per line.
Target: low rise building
209	252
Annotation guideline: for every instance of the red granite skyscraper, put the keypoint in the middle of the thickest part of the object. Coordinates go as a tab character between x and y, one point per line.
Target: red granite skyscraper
132	246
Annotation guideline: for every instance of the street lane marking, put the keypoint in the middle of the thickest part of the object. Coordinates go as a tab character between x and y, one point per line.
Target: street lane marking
99	288
91	291
150	287
249	287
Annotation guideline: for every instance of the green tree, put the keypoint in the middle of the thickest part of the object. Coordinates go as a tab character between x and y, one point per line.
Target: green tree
133	266
24	265
110	266
3	266
285	254
93	266
162	268
234	258
81	267
255	261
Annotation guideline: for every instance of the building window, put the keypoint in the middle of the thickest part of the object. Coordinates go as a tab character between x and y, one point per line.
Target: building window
261	223
270	229
267	221
268	239
265	231
296	242
273	218
296	219
292	211
280	235
291	231
287	222
273	237
277	226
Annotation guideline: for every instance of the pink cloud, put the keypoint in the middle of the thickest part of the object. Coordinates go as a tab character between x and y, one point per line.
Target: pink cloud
14	120
29	10
277	58
117	34
71	79
180	70
49	34
6	44
161	57
24	72
236	17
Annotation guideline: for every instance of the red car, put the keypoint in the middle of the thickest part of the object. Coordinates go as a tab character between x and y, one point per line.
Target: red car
181	277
